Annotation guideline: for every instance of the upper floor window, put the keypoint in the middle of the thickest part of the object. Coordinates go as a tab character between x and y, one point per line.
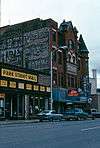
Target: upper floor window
59	58
69	58
54	37
74	60
70	44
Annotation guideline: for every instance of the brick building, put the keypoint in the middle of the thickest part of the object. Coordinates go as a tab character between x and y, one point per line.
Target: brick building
29	44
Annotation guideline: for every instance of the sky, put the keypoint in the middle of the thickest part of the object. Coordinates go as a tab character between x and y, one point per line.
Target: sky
84	14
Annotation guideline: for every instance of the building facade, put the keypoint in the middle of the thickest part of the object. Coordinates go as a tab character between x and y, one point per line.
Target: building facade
94	90
22	92
29	45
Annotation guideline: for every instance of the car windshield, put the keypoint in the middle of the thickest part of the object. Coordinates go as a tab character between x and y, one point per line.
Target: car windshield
75	110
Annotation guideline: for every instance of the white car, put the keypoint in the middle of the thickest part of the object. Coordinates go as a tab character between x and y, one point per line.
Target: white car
49	115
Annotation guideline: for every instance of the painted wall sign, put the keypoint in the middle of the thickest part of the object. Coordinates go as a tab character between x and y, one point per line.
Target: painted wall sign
29	49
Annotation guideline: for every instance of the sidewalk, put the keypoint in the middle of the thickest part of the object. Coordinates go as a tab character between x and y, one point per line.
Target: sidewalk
6	122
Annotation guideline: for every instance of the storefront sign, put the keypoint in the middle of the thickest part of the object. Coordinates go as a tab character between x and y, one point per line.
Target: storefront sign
18	75
48	89
42	88
21	85
73	92
3	83
12	84
28	86
36	87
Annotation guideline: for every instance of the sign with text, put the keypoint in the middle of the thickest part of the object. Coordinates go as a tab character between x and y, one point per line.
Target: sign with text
3	83
18	75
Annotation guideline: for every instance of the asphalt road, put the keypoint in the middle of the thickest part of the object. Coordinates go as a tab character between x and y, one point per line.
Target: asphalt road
65	134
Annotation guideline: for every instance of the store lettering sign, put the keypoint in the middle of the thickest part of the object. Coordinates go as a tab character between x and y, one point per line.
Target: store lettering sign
21	85
48	89
3	83
18	75
36	87
12	84
28	86
42	88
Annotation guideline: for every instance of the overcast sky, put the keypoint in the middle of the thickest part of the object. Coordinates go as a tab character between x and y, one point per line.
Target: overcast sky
84	14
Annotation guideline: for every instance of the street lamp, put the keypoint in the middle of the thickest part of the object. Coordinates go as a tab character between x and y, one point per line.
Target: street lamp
51	67
51	103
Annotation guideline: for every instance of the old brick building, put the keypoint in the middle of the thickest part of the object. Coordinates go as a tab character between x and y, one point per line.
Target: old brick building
29	45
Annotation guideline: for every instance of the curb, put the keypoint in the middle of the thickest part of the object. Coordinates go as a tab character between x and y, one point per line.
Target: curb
18	122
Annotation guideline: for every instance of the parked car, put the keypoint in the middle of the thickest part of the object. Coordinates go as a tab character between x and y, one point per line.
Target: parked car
49	115
96	114
75	114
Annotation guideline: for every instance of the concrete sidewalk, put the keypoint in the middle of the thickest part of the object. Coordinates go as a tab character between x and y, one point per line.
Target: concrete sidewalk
18	121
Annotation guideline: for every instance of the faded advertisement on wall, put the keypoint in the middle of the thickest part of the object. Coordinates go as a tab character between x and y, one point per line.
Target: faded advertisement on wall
29	50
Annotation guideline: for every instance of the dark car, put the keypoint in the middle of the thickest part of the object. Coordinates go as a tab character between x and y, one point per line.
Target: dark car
96	114
49	115
75	114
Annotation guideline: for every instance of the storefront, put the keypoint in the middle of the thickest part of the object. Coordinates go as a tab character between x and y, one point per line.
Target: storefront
22	94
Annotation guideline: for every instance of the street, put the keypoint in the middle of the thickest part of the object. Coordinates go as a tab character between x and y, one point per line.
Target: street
64	134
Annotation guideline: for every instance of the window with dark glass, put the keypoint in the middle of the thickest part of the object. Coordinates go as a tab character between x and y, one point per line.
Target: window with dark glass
59	58
72	82
62	80
70	44
68	81
78	64
54	78
69	58
54	56
53	37
73	59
